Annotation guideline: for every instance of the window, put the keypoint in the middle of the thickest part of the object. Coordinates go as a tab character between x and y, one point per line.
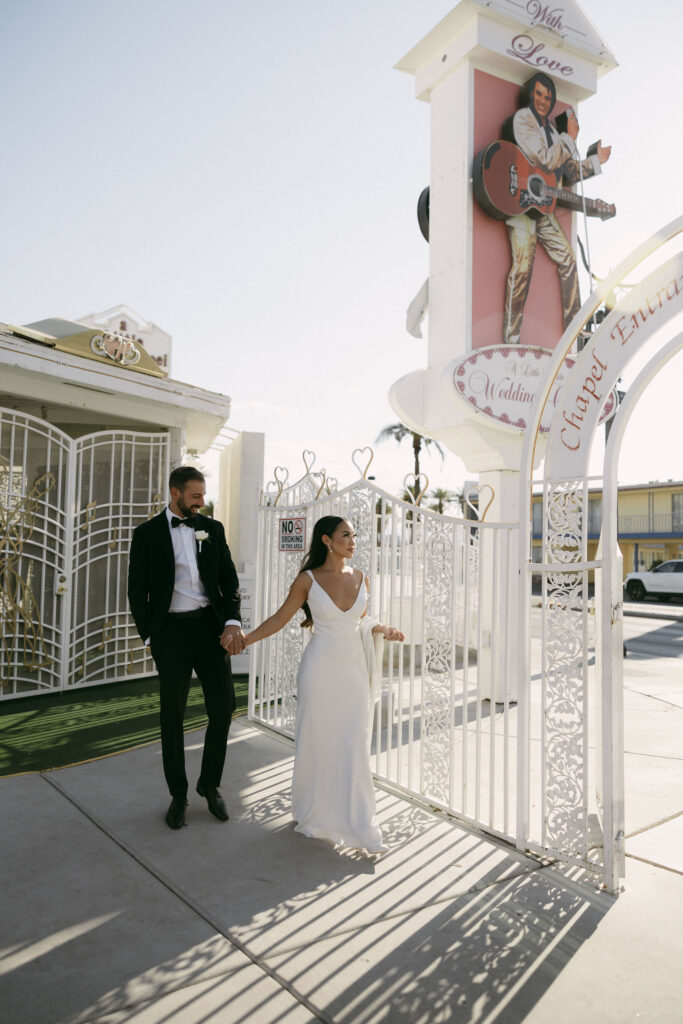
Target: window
594	515
677	513
666	567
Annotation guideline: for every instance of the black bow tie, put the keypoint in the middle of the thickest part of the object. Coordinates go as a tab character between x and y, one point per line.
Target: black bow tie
181	522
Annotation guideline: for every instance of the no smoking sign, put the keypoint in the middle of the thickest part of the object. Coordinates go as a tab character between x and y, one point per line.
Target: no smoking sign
293	533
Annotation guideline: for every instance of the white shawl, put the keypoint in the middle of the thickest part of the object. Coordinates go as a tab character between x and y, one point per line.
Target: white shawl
373	648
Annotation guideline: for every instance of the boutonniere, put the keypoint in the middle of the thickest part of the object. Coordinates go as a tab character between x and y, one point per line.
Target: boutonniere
201	535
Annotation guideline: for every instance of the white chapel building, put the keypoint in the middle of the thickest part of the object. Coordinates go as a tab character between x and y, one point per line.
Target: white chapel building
91	423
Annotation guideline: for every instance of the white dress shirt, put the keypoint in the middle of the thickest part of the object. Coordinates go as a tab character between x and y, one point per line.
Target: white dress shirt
188	589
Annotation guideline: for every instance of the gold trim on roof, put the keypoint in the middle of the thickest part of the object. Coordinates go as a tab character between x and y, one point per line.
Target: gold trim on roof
91	343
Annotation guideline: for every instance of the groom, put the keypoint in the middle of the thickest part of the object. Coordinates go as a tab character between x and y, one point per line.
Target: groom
184	597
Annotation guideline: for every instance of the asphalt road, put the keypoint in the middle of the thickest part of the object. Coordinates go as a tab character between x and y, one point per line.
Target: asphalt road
651	628
654	637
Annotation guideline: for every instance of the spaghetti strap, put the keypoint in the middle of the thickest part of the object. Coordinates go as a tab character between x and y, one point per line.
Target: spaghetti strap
310	574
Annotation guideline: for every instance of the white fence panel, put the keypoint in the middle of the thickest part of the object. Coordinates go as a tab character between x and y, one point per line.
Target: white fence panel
442	581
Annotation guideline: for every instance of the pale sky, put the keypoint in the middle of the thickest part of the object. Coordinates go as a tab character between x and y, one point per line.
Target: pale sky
245	175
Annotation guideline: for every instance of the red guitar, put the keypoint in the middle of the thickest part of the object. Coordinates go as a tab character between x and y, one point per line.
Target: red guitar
505	184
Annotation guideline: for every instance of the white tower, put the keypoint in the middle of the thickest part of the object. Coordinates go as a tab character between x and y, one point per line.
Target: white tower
469	69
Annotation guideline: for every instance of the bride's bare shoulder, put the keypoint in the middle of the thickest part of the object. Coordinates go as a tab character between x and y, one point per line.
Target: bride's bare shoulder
303	580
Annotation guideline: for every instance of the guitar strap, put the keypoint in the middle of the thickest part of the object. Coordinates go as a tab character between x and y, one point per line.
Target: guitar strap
593	277
585	222
586	262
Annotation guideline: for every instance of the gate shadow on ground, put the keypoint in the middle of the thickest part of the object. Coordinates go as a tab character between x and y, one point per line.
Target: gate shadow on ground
489	955
448	927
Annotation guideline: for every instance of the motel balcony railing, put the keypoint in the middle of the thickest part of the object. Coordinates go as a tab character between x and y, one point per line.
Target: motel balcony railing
656	524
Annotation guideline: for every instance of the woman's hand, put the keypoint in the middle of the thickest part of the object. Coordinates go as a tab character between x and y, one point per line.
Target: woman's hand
389	633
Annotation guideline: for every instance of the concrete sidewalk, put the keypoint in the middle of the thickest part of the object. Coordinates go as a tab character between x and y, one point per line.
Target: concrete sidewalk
654	610
639	609
109	916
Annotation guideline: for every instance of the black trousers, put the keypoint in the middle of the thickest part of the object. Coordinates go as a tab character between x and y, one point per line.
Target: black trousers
184	644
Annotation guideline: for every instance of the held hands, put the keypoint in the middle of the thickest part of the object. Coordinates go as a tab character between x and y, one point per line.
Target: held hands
390	633
233	640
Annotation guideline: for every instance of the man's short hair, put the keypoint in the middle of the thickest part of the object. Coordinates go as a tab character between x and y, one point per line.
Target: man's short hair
527	90
182	475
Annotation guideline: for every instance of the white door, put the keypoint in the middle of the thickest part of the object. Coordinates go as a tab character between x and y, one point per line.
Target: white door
34	554
68	509
120	480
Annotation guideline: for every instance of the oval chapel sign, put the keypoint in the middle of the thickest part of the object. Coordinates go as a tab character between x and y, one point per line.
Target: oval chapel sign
502	382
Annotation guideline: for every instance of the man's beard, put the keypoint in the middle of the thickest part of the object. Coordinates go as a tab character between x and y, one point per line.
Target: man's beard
187	512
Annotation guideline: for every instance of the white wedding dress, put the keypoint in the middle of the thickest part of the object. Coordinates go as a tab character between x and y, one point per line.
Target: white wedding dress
332	792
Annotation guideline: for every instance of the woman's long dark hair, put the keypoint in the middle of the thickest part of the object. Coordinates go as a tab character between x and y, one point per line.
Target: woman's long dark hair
317	553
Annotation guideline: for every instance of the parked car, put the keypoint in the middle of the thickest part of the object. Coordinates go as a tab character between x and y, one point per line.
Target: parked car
664	582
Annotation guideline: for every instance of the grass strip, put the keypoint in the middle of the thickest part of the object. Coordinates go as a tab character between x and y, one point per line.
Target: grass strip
58	729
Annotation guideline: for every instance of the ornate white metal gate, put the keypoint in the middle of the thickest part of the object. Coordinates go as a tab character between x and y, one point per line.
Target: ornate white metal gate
436	735
67	512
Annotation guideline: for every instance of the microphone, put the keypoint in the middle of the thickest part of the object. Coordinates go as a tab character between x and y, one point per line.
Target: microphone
562	120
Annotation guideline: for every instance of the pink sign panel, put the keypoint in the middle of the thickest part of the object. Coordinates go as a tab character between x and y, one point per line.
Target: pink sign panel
494	101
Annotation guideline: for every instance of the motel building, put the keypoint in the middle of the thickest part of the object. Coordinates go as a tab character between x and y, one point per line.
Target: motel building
90	426
649	523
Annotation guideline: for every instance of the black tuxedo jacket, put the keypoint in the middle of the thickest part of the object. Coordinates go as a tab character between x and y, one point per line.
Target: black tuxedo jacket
151	573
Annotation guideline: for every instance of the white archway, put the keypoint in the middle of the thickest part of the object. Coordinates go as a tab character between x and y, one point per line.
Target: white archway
609	610
562	827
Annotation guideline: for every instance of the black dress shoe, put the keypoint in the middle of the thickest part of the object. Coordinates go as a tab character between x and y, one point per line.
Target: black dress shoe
175	815
214	800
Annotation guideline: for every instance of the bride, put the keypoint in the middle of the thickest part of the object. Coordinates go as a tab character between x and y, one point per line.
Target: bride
332	791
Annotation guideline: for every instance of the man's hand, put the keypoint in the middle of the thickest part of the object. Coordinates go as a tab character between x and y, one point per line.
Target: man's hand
232	640
603	152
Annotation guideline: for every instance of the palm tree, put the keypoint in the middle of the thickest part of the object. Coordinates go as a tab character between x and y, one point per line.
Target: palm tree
378	516
441	497
399	432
